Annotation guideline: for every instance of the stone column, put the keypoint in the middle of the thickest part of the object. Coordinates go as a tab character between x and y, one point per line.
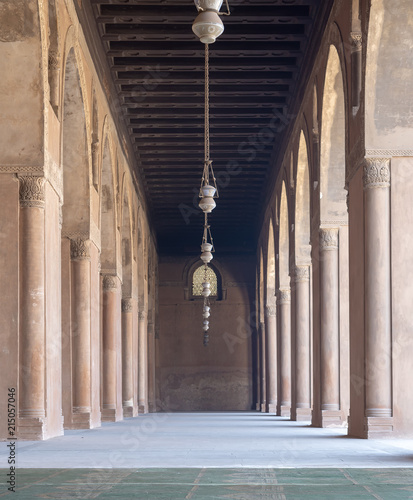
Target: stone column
378	411
109	341
284	400
151	367
143	362
329	328
81	331
302	410
32	421
127	357
263	388
258	367
271	361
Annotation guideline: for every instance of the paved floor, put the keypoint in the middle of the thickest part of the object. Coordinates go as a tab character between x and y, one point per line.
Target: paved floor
203	440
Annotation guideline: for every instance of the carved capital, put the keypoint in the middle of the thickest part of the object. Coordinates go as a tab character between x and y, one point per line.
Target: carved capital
127	305
32	191
284	296
270	311
54	60
141	313
109	282
356	39
316	136
328	238
376	173
301	273
80	249
95	146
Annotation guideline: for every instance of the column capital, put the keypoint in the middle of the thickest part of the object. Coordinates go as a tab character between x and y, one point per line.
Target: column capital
141	313
356	39
328	238
284	295
110	282
301	273
80	249
54	59
127	305
376	173
32	191
270	311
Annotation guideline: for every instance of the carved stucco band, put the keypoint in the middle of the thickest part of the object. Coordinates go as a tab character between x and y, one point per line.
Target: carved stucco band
284	296
301	273
127	305
54	60
32	191
328	238
270	311
80	249
376	173
141	314
110	282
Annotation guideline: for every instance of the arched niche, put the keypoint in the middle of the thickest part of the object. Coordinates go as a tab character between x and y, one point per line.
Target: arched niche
271	266
389	76
333	136
302	205
284	246
76	194
108	212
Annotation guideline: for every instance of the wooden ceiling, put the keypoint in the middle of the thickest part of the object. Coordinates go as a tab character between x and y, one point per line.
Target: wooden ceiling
257	69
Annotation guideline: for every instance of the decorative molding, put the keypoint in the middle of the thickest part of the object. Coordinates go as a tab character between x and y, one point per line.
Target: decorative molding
284	296
328	238
270	311
301	274
110	282
388	153
80	249
54	60
127	305
22	169
141	313
32	191
376	173
356	39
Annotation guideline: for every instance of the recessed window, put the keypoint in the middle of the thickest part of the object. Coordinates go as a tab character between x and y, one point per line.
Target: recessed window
199	277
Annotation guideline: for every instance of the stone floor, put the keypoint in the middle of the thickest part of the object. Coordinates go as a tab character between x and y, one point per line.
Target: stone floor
210	455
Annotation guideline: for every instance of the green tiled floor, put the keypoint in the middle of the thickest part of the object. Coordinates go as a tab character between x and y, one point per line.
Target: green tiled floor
209	484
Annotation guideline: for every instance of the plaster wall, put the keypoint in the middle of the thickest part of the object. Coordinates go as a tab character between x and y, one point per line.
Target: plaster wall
191	377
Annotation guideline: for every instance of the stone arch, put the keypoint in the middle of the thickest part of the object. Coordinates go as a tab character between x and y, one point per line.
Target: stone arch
126	245
108	211
53	55
284	242
389	66
302	205
270	281
141	264
76	195
95	141
315	111
261	286
333	143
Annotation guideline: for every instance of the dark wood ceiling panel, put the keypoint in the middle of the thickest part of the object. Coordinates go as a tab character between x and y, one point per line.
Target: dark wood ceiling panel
256	66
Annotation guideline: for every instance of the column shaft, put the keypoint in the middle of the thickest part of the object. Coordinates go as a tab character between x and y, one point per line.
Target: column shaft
127	357
143	363
378	289
271	361
302	343
285	353
263	389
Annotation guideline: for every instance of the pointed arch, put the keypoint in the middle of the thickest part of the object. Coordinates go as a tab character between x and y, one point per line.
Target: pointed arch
261	287
333	136
271	265
126	245
302	205
284	244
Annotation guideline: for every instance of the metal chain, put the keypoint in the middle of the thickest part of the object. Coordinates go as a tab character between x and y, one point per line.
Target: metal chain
206	103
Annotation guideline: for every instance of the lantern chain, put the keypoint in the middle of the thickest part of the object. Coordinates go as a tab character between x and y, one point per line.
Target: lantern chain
207	158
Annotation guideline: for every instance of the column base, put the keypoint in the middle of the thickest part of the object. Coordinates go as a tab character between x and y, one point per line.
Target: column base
332	418
378	427
258	406
152	408
263	407
301	415
272	408
32	429
80	421
112	415
285	411
143	409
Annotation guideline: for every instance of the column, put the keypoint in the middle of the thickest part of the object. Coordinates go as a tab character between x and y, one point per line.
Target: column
284	405
263	388
329	328
151	367
127	357
81	332
302	410
258	368
377	306
143	362
110	410
271	361
32	421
